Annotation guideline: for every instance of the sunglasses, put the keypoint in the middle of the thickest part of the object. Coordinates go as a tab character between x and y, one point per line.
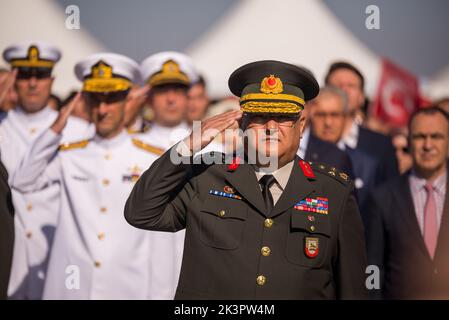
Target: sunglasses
95	98
25	73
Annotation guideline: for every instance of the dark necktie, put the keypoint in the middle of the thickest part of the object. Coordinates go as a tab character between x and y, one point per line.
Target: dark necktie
266	182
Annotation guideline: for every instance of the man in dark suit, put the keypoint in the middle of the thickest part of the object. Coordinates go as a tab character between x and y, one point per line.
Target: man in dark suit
328	113
348	78
407	226
257	230
6	231
315	150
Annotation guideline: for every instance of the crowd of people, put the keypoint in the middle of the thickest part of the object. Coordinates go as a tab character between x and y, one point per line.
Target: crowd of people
69	165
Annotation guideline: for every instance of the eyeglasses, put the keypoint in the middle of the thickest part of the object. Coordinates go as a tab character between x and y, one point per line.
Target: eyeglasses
95	98
333	115
25	73
258	121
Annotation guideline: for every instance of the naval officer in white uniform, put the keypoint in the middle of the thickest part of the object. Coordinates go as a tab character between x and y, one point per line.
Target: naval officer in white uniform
36	213
169	75
96	254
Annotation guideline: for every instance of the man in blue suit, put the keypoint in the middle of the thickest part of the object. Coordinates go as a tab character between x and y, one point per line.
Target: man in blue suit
348	78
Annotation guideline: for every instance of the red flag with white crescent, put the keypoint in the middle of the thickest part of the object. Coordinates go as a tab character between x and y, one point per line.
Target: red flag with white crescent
397	95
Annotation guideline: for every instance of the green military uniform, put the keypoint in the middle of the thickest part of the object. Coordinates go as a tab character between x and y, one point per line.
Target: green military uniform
309	246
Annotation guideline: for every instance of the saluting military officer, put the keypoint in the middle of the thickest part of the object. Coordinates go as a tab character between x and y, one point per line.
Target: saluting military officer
96	254
36	213
253	230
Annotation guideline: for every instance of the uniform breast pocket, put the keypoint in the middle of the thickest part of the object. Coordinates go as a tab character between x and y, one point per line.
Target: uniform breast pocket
222	222
308	239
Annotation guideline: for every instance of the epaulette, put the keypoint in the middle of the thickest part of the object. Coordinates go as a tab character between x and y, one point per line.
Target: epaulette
142	145
331	171
73	145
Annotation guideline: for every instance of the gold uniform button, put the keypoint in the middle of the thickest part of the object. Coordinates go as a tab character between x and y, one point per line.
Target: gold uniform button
261	280
221	213
103	209
101	236
97	264
265	251
312	228
29	207
29	234
33	130
106	182
268	223
107	156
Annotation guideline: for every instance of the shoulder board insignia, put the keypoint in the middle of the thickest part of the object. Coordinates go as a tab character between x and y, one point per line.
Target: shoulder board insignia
73	145
331	171
142	145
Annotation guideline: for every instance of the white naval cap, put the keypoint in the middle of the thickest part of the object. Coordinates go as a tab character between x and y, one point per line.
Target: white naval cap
32	54
107	72
168	67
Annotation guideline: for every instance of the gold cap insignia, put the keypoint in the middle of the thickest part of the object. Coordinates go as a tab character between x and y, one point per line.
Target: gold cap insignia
102	79
271	84
170	73
101	70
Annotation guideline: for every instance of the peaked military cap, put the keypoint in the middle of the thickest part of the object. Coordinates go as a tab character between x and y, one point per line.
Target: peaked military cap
273	87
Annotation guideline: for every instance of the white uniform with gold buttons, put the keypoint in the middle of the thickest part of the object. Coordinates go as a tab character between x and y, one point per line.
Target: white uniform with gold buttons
94	246
35	213
96	253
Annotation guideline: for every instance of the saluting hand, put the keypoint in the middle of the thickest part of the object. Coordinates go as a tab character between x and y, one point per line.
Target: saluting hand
134	103
7	80
211	128
64	113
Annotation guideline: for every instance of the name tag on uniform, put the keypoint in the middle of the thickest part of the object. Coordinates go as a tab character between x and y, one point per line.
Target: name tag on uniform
316	205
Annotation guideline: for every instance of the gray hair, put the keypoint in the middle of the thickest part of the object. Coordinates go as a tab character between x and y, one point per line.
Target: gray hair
335	91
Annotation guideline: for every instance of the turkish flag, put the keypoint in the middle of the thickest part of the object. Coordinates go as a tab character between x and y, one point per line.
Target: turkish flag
397	95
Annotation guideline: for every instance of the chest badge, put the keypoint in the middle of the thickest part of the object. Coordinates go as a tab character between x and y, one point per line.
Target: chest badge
311	247
133	174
